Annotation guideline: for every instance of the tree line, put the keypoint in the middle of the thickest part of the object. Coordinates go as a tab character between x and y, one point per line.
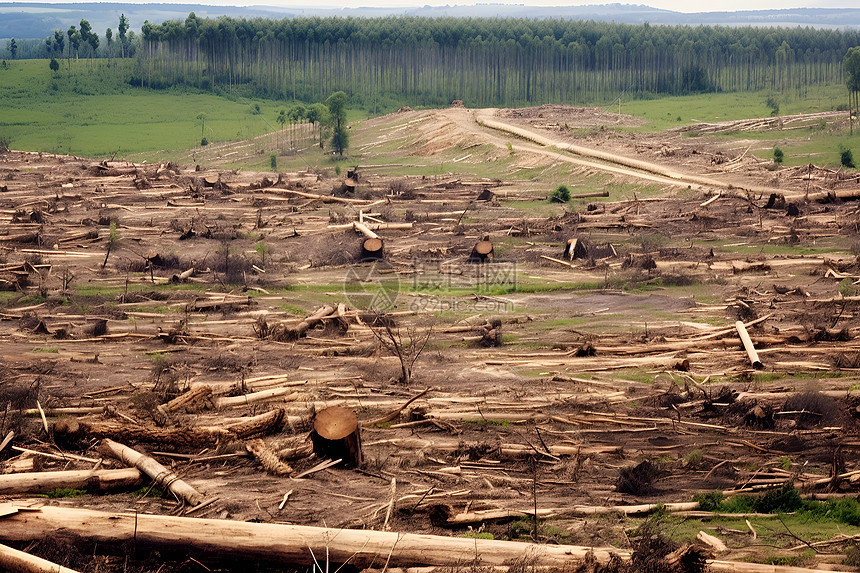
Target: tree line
485	62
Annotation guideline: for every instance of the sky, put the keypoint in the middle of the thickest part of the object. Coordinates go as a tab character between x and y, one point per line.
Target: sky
674	5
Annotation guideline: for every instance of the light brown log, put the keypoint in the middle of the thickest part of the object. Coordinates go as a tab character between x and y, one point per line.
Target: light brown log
287	544
41	482
508	450
591	194
267	423
713	542
191	401
162	476
362	228
748	345
375	226
559	261
21	562
227	401
323	198
294	332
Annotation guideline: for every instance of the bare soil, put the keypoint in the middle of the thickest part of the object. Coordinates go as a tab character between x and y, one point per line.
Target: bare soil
610	353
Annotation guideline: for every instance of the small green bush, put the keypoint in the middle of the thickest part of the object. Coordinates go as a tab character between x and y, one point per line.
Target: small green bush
711	501
846	157
204	142
273	162
778	155
561	194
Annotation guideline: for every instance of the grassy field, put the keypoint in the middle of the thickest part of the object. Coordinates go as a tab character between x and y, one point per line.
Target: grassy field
89	109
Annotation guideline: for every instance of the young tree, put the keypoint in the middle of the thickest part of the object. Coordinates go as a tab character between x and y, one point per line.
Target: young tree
202	117
282	118
317	114
122	29
108	39
336	104
89	37
852	71
74	42
54	65
59	43
13	48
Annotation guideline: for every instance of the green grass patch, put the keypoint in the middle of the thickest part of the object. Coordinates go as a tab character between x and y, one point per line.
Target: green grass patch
91	110
784	500
477	535
60	493
489	422
47	349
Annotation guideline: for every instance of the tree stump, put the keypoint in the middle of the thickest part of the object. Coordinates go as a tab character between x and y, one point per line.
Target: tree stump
481	252
371	249
575	249
337	435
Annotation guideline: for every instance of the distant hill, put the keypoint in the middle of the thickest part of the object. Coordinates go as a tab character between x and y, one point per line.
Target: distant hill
38	20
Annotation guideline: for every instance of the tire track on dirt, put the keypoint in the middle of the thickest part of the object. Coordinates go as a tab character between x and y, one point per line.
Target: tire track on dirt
609	162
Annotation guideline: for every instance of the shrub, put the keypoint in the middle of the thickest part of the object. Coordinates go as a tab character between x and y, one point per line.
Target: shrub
846	157
273	162
778	155
204	142
773	105
561	194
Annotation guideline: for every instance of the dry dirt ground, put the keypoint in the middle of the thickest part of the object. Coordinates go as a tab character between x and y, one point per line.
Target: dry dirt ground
627	353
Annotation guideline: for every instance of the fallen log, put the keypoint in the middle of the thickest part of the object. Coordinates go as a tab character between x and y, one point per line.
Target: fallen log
287	544
505	450
195	399
287	333
19	561
162	476
90	480
268	422
748	345
70	431
227	401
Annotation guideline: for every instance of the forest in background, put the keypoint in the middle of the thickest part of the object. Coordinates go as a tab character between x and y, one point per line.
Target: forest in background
484	62
509	62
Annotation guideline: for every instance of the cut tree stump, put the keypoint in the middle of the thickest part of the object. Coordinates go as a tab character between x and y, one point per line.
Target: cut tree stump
575	249
481	252
372	249
337	435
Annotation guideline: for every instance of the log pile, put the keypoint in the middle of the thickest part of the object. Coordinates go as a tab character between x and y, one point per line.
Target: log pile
224	376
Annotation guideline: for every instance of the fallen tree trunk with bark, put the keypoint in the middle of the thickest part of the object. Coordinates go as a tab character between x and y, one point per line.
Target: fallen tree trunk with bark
286	544
305	545
19	561
92	481
162	476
